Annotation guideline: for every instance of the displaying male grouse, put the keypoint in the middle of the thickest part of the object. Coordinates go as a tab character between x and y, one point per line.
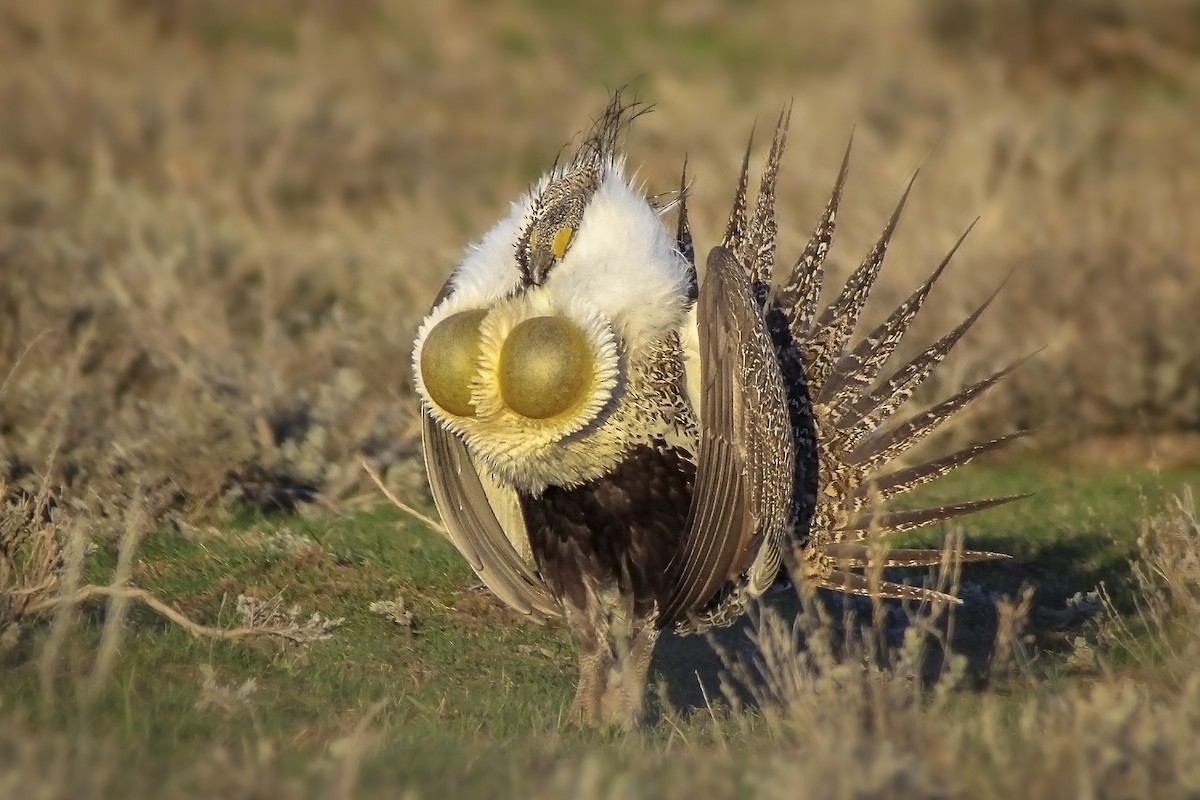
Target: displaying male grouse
614	439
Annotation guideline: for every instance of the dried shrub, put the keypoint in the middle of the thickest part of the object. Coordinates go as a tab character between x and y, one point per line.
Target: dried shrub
238	250
1162	635
854	710
1073	40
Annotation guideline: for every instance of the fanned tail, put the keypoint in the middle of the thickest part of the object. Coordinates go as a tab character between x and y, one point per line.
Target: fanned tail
840	399
840	403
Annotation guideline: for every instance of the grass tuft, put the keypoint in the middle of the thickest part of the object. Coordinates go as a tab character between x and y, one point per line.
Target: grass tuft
221	222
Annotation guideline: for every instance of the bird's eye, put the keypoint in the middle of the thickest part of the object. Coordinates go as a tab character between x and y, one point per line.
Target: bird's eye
450	359
546	367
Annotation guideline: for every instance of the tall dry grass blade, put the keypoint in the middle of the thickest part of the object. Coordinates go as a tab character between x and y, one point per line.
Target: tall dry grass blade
25	351
429	521
357	745
1160	633
64	608
1009	652
118	605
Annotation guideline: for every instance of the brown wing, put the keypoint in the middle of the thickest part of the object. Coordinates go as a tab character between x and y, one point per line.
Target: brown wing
743	477
474	528
471	521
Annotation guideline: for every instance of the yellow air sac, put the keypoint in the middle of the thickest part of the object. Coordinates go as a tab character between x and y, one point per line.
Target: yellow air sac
450	361
546	368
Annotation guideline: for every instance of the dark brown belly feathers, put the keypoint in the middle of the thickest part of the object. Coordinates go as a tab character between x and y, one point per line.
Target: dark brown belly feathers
620	530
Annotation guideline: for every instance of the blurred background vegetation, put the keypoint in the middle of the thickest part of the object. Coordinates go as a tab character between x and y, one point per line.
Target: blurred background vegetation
221	221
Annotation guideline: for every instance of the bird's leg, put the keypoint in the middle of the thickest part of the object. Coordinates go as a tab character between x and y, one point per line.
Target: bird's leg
594	666
614	656
626	690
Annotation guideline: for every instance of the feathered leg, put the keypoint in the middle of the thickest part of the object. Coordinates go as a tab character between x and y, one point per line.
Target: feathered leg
614	657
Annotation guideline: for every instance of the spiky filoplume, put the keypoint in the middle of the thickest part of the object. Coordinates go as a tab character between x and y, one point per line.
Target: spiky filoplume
618	439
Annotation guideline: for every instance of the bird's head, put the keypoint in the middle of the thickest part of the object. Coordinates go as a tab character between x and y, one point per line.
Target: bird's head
527	353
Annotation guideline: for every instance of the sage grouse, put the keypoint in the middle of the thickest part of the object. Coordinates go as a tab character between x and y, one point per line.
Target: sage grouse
616	439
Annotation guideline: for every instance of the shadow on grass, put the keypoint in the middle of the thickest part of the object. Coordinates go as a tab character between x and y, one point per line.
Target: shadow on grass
1064	576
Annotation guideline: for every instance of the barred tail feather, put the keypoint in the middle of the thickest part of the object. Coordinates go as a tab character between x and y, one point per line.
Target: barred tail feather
860	413
840	401
905	480
859	556
839	319
683	235
859	368
760	247
800	292
874	453
736	228
854	583
880	524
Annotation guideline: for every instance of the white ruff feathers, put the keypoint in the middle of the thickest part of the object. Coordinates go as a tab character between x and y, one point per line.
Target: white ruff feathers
622	282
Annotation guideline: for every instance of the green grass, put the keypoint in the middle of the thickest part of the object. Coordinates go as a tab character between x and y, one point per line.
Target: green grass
1078	528
229	215
473	695
461	685
227	268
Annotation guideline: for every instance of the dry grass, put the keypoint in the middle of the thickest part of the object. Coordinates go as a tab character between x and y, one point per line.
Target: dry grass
843	706
887	730
220	223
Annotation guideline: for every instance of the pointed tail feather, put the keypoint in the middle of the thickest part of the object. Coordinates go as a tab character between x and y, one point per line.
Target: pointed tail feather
875	452
760	255
853	583
826	344
868	412
905	480
857	370
799	294
858	556
683	235
736	228
875	525
850	301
